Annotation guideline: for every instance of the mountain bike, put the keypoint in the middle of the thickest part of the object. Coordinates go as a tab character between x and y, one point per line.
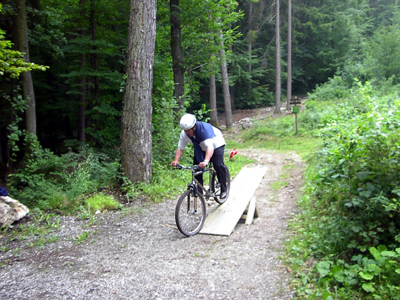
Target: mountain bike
190	211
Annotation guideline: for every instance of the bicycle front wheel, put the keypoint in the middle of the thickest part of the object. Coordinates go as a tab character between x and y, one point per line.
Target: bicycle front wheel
190	213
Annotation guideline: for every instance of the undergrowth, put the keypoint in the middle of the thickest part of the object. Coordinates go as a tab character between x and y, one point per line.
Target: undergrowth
347	238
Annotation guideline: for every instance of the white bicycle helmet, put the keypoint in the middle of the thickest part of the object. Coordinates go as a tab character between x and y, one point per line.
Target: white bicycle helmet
187	122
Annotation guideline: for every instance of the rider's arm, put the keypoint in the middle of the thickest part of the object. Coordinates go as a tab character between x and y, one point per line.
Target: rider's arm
178	155
209	154
183	141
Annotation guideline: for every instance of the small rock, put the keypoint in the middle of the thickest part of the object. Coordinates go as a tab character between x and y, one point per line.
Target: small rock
11	210
246	125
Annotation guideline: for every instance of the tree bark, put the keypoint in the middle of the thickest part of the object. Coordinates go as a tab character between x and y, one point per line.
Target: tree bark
289	61
225	84
27	84
231	88
94	93
278	62
82	102
82	85
136	125
250	38
213	102
95	56
177	53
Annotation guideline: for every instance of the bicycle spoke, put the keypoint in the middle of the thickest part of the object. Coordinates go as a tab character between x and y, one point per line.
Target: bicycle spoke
190	214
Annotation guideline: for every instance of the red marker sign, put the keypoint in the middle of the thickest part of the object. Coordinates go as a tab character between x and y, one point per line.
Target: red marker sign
234	152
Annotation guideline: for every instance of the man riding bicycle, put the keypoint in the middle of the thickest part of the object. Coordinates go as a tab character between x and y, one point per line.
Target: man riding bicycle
209	146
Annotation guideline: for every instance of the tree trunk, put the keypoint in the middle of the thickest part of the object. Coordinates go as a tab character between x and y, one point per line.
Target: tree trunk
225	84
95	94
250	38
278	62
95	56
27	84
213	102
231	89
136	125
289	61
82	86
177	53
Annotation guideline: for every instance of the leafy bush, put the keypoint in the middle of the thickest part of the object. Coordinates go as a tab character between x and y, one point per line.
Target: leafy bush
351	205
48	181
358	176
335	88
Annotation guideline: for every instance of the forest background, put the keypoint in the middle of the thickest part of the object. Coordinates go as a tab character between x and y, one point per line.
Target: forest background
345	54
83	44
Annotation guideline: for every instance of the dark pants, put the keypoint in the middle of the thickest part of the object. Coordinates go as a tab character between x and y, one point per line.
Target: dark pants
218	160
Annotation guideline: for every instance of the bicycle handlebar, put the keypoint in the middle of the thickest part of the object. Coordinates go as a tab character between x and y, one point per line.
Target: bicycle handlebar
195	168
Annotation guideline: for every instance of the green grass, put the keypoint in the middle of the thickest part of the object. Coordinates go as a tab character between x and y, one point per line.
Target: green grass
82	237
277	185
277	134
101	202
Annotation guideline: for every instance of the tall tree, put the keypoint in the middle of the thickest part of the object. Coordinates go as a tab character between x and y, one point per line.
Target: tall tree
177	53
289	56
27	83
278	61
213	101
250	36
82	82
225	84
136	138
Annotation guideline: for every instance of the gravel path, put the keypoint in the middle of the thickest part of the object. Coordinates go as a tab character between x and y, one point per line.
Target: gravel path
137	253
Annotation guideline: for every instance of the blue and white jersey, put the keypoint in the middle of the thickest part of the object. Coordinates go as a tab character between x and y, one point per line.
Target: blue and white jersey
217	141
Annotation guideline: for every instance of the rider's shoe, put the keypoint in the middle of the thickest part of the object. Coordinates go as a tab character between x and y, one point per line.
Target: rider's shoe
223	195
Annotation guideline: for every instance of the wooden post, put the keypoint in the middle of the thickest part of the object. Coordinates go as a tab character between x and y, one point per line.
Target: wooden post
296	109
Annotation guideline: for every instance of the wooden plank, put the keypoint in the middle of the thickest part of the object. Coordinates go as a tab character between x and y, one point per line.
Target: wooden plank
223	219
250	211
256	211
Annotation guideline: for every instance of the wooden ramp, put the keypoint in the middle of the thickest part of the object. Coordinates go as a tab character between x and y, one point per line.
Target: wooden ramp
224	218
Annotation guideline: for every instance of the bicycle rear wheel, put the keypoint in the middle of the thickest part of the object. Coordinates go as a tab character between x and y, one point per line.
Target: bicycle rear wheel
216	186
190	213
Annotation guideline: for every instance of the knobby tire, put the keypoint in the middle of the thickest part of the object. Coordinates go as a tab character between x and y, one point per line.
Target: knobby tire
216	187
188	218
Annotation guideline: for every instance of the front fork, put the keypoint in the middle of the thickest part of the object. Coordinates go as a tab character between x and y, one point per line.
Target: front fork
197	187
192	206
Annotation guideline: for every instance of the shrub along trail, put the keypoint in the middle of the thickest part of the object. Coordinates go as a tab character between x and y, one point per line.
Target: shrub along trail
137	253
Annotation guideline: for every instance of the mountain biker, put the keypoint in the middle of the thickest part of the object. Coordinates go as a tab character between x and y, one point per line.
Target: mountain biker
209	146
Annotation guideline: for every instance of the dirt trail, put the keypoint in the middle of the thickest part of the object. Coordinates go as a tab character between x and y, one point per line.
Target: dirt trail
137	254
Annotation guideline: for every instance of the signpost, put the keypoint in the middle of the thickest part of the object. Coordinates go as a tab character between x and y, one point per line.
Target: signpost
295	102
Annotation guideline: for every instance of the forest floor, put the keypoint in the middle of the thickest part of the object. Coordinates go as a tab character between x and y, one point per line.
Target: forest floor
137	253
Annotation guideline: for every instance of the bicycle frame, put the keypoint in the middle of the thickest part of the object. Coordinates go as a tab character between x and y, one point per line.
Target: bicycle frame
190	210
195	183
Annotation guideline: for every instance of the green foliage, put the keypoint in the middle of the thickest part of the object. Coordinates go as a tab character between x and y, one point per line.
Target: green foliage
165	131
56	182
202	114
19	105
335	88
82	237
38	232
101	202
11	61
382	54
350	205
375	275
